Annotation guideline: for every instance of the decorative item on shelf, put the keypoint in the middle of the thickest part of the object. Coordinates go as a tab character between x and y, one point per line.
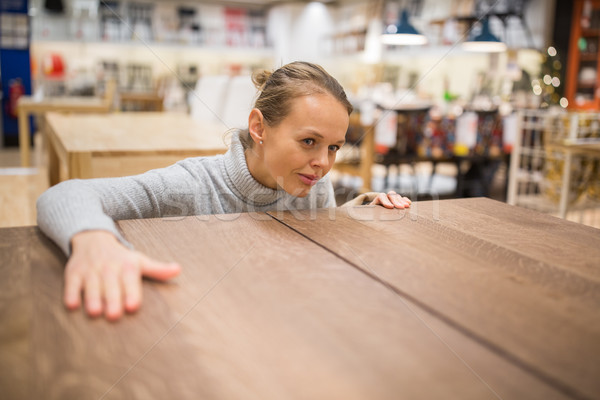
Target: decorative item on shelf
84	21
54	6
581	174
583	169
489	135
258	28
593	192
403	33
110	24
236	26
140	21
438	136
486	41
189	27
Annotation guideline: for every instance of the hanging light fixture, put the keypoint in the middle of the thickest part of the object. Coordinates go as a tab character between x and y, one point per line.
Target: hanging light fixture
403	33
485	42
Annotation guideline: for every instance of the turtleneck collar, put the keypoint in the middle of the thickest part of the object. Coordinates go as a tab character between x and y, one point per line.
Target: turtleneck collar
242	182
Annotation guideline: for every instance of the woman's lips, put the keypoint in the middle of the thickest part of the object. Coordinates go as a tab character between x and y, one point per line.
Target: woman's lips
308	179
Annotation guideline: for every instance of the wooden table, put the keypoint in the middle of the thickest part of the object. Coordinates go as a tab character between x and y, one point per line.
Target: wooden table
141	101
128	143
27	105
457	299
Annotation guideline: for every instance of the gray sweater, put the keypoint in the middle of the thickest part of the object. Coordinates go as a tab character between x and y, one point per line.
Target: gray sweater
220	184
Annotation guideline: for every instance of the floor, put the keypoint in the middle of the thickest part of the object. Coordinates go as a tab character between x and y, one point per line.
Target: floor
20	187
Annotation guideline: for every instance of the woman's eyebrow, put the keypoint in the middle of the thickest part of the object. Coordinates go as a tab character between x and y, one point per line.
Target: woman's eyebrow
322	137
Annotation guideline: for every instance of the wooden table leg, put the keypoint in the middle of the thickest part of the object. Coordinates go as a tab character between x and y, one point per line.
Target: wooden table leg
367	155
79	166
53	164
24	138
565	189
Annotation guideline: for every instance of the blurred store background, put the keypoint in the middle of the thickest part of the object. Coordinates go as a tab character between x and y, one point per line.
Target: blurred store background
453	98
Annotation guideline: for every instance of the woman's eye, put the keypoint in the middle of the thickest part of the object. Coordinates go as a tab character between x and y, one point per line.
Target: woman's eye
308	142
334	148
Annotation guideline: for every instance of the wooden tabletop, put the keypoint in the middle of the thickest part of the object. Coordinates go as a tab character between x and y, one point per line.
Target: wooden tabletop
136	132
74	104
66	103
458	299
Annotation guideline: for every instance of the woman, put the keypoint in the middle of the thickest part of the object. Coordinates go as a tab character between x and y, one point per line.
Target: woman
280	162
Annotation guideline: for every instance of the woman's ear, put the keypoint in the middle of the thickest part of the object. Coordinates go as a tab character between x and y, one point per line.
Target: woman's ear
256	125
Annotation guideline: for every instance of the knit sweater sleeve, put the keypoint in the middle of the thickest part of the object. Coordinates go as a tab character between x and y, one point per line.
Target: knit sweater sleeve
78	205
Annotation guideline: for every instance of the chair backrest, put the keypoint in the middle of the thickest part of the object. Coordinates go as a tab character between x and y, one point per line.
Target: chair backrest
207	100
238	102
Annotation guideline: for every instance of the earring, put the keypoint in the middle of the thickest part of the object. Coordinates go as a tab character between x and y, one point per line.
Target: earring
260	142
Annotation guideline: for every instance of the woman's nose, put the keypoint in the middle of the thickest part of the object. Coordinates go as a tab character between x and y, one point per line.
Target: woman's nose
321	160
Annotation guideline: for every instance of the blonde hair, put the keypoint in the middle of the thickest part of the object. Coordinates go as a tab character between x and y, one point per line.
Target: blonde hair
277	89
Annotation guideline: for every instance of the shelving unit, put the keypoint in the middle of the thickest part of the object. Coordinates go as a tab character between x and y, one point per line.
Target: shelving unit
554	164
173	43
176	23
583	74
163	36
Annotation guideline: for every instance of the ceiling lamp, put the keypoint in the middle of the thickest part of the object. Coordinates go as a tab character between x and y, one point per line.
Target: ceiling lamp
485	42
403	34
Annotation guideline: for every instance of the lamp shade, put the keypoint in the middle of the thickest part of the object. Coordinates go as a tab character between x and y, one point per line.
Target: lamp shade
403	33
485	41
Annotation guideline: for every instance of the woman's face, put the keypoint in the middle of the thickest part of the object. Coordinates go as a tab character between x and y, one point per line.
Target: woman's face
301	149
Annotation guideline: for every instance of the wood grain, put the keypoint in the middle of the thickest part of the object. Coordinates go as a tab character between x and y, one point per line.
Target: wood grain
133	132
17	248
521	283
128	143
258	312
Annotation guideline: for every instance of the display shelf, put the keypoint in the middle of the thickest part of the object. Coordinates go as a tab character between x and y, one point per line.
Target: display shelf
554	162
254	51
590	32
584	54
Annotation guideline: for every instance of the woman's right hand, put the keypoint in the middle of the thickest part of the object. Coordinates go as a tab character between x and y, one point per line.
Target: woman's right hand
109	275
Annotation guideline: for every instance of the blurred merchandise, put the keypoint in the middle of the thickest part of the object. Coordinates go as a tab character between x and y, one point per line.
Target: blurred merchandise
466	133
386	130
188	26
235	26
140	21
110	23
138	78
55	6
53	66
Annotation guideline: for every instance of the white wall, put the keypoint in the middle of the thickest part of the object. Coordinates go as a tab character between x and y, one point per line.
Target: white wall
299	31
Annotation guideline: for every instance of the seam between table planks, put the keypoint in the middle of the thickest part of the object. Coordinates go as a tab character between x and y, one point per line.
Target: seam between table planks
500	351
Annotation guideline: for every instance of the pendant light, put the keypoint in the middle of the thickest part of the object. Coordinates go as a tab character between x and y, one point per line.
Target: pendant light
485	42
403	33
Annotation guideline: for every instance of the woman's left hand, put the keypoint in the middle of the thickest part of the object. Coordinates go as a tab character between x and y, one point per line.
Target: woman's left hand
391	200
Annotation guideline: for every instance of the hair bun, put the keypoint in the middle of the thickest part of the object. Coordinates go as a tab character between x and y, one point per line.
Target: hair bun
260	78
